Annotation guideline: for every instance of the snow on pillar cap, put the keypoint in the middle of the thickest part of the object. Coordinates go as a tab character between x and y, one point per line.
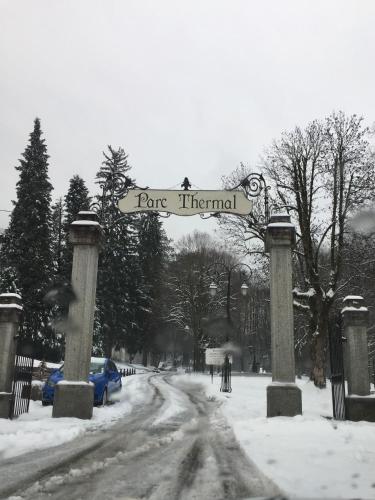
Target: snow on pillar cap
353	301
280	232
282	217
11	298
354	313
86	230
87	215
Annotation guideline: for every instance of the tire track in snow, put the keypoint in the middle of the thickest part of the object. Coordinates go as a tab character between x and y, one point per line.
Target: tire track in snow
189	454
18	473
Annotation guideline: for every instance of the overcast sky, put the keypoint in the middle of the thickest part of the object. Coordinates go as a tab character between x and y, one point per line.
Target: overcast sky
187	88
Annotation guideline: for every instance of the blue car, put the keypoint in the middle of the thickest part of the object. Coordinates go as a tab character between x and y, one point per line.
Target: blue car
103	374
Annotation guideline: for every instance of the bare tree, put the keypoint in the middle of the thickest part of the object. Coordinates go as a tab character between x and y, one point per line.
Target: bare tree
188	287
320	175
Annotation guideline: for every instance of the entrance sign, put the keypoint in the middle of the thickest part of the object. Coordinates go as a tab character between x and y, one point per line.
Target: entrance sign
216	356
185	202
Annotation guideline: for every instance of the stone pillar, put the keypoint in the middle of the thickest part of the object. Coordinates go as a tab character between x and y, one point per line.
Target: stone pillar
10	313
355	319
283	396
74	397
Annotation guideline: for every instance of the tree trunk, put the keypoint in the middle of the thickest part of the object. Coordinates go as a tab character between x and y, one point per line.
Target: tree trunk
318	372
319	348
319	329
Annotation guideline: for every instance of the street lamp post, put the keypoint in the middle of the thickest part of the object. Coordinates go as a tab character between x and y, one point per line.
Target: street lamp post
226	368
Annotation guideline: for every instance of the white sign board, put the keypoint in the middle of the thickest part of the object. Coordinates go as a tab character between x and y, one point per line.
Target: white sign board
216	356
185	202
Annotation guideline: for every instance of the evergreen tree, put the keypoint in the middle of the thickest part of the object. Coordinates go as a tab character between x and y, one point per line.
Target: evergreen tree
76	199
119	289
26	257
57	237
153	255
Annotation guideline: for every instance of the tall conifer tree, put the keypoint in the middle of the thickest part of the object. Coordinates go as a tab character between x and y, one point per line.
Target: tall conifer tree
153	254
57	235
26	255
76	199
119	290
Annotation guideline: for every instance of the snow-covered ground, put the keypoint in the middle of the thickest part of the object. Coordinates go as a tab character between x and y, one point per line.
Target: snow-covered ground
308	456
37	429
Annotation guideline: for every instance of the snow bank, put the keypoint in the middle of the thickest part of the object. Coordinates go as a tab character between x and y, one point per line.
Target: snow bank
308	455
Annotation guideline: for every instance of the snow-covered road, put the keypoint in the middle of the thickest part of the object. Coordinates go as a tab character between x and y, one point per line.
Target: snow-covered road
174	445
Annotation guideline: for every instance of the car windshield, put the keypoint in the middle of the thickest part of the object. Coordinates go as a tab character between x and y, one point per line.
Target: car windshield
96	367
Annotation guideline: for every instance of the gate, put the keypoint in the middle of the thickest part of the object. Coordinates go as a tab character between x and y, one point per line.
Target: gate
21	391
336	353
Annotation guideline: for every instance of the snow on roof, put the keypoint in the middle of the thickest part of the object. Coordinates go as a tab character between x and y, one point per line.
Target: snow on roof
49	364
352	297
98	360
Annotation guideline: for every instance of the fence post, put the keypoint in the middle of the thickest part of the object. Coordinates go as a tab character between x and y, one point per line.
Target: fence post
10	312
283	395
74	397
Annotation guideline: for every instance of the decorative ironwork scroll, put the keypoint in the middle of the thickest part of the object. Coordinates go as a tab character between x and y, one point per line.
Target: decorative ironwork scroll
115	187
253	185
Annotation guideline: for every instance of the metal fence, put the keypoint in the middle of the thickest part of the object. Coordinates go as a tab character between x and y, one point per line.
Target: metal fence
21	390
337	368
126	372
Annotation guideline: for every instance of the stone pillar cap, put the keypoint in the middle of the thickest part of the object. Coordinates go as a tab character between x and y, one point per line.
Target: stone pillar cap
280	231
281	217
86	230
87	215
355	301
11	300
354	308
